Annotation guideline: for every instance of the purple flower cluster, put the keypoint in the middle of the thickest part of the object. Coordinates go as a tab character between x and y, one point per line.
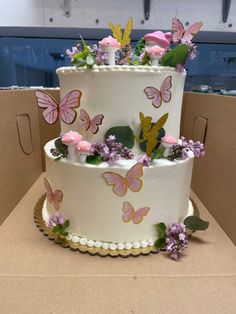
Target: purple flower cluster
100	56
55	219
185	149
124	55
191	148
145	160
72	53
176	240
111	151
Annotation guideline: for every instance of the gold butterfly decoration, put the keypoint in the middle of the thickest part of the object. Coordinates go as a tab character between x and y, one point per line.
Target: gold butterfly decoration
150	131
124	39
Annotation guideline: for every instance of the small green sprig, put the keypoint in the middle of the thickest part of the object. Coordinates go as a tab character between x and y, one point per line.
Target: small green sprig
60	229
161	240
60	150
84	57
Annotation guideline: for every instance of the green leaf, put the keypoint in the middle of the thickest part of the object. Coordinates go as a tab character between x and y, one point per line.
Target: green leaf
139	47
158	153
90	59
123	134
57	229
62	149
161	230
178	55
195	223
64	233
160	243
66	224
94	160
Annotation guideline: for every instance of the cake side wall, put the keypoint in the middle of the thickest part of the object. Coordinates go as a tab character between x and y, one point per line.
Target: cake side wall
95	211
119	95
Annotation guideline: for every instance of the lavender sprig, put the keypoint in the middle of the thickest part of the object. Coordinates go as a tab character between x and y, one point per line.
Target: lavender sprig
185	149
176	240
111	151
55	219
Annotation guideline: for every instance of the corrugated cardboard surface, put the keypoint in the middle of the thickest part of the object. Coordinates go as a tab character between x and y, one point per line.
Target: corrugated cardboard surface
23	135
38	276
212	119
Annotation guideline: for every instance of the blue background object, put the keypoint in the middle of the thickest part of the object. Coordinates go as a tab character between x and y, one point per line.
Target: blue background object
33	61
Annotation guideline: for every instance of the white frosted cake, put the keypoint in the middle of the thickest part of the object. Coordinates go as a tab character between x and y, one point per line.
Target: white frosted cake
113	194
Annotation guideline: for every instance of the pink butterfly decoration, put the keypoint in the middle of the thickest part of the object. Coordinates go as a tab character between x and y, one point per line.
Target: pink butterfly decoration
64	110
53	197
90	124
131	180
135	215
184	35
157	96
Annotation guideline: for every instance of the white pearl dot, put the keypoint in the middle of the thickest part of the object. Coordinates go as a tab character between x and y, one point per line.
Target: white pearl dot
120	246
105	245
136	245
69	237
90	243
128	245
75	239
83	241
113	246
98	244
143	243
150	242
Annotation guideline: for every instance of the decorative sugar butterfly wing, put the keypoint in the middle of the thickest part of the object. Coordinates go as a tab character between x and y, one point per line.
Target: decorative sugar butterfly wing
158	95
165	89
67	105
90	124
191	31
130	213
178	30
65	109
133	177
139	214
155	95
118	182
53	197
180	34
48	103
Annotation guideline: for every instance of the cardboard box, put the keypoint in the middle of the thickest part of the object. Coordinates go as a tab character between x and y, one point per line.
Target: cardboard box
38	276
212	120
23	135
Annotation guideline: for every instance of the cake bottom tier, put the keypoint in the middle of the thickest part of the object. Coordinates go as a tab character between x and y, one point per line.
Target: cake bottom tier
97	214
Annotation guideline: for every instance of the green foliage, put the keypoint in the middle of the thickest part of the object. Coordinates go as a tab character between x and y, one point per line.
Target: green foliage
139	47
123	134
84	57
161	231
60	229
62	150
195	223
94	160
158	153
177	55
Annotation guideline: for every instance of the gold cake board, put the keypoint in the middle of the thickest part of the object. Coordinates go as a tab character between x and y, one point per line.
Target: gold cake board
84	248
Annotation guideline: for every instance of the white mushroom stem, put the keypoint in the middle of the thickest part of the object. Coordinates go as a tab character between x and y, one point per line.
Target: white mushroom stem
168	149
154	61
82	157
72	155
111	57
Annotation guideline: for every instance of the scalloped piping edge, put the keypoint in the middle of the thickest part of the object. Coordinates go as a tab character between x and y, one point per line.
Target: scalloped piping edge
109	245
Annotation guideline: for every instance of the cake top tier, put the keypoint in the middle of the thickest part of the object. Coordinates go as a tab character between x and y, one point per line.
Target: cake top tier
156	48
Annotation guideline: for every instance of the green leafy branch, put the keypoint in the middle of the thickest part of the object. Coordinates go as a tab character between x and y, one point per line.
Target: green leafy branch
60	229
84	57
